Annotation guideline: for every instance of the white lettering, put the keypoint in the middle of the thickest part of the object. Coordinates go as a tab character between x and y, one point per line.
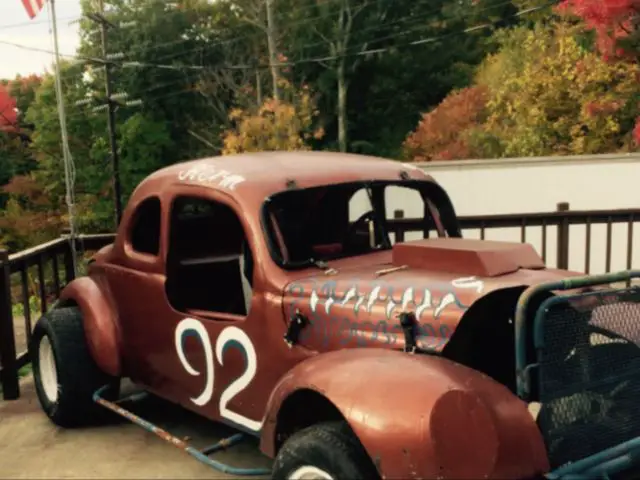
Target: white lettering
231	181
209	174
469	282
230	336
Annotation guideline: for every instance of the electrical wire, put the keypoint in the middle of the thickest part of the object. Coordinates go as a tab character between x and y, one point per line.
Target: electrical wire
353	51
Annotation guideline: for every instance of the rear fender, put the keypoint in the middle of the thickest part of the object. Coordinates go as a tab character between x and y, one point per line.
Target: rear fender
418	416
100	320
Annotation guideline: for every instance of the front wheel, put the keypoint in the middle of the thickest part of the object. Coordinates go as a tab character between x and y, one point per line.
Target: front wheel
64	372
326	451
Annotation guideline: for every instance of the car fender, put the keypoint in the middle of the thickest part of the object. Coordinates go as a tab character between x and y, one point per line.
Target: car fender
100	321
419	416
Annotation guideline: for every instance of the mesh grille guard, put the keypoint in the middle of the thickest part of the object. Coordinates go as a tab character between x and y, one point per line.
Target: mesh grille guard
586	374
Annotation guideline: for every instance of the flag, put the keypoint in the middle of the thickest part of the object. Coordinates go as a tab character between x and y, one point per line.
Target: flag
33	7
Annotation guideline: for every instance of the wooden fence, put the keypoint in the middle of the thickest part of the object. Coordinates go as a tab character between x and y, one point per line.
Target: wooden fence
40	273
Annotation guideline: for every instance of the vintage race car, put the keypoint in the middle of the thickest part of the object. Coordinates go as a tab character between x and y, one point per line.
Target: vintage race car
266	291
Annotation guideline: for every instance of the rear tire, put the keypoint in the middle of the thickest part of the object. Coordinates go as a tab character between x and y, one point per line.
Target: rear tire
326	451
65	374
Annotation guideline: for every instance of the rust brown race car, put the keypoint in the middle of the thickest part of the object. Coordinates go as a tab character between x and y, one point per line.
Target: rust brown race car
265	291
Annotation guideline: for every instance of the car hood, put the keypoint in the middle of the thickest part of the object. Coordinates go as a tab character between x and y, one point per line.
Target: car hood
364	299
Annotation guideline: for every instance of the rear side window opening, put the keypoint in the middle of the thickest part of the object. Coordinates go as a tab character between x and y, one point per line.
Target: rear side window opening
318	224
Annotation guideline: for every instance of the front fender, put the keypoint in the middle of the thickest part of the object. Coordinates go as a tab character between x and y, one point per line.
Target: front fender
100	321
420	416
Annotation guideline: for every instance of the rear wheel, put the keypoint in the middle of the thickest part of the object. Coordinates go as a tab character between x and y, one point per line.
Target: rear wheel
64	372
326	451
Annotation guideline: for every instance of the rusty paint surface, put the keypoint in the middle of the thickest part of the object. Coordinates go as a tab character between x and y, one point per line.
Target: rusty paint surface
408	410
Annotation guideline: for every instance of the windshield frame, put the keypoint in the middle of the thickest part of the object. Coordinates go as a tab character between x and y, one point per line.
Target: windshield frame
427	188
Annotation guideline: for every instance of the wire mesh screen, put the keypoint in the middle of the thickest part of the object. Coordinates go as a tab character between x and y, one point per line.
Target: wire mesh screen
589	377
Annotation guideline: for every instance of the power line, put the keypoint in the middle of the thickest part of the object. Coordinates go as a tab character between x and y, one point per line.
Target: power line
412	18
32	22
156	64
350	52
296	10
355	51
197	68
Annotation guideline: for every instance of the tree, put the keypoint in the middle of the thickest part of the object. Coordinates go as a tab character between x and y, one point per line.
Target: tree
549	95
546	95
617	27
88	144
444	133
615	23
275	125
28	217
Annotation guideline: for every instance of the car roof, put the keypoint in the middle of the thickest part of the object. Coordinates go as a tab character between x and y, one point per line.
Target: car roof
265	173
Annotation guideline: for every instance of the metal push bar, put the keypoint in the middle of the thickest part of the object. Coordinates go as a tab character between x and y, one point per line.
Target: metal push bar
200	455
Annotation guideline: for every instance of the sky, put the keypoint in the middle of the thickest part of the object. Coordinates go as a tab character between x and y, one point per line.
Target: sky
16	27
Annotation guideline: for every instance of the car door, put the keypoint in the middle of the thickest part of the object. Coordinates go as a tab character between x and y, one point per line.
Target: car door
211	337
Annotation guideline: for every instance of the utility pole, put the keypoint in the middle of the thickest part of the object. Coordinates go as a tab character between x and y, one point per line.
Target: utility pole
111	110
271	42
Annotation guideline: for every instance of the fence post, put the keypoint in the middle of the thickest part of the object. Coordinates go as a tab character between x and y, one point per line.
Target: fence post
398	229
563	237
9	372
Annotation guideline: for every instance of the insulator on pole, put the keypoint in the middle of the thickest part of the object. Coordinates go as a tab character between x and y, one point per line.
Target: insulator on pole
119	96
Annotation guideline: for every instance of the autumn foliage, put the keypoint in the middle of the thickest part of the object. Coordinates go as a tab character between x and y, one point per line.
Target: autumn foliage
617	27
542	93
442	134
612	20
29	216
8	114
286	124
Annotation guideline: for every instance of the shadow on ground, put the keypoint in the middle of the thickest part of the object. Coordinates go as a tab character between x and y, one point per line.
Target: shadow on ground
31	447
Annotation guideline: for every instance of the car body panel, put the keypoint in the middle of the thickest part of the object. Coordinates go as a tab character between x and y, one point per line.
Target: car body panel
358	307
101	323
412	415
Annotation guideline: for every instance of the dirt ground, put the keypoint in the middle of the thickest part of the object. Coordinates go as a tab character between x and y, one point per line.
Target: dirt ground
31	447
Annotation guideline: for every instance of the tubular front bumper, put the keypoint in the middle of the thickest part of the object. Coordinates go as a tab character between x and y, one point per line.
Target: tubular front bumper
620	462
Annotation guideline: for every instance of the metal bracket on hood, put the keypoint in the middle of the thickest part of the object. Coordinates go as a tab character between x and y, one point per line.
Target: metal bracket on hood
409	324
296	325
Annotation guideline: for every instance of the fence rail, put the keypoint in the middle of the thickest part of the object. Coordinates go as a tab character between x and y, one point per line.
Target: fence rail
50	264
41	272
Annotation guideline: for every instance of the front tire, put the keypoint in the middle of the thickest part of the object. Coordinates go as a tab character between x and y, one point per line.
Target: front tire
326	451
64	372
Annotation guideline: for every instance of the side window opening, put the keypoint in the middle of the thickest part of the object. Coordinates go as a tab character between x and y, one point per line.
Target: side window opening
145	232
209	262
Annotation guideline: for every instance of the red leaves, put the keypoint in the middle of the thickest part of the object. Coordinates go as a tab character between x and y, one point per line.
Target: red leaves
8	114
610	19
603	108
441	134
636	132
26	187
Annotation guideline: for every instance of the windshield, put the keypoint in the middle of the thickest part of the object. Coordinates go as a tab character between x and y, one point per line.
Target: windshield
307	226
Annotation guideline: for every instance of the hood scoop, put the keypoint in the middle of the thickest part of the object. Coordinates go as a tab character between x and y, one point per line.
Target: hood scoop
481	258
